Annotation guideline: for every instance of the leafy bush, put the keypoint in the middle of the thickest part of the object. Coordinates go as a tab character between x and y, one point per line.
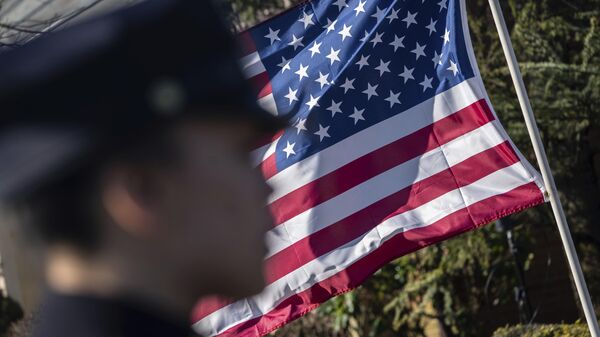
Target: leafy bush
22	328
546	330
10	312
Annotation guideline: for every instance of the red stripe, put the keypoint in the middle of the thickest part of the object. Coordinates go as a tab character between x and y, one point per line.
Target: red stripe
209	305
459	222
266	90
262	84
357	224
380	160
269	166
246	43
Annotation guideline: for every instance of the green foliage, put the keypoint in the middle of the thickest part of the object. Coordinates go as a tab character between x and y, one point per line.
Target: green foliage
550	330
558	45
246	13
10	312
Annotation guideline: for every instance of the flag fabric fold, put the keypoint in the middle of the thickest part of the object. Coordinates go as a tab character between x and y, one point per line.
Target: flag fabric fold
395	147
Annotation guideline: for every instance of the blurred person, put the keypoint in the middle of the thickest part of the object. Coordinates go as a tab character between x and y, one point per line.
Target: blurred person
124	143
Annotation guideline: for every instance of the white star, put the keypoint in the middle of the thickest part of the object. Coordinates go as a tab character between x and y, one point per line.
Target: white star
285	64
363	61
292	95
315	49
349	84
360	8
376	39
289	150
341	4
333	55
410	19
334	108
446	36
302	71
398	42
313	102
307	19
407	74
437	59
393	16
419	50
357	115
323	132
453	68
393	99
370	92
431	26
379	15
322	79
273	35
345	32
442	4
300	125
296	42
426	83
366	37
383	67
330	25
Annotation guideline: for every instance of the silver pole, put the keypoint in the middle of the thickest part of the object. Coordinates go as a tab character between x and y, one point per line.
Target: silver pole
540	154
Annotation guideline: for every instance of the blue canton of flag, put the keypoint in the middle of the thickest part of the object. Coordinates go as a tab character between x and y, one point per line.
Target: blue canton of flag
347	65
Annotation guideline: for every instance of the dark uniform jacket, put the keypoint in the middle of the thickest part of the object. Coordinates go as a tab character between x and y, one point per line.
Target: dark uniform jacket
81	316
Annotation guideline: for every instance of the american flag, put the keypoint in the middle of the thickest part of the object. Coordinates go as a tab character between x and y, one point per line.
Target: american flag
395	146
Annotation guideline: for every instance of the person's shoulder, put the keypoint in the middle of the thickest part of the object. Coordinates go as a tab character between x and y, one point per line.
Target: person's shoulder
71	316
89	316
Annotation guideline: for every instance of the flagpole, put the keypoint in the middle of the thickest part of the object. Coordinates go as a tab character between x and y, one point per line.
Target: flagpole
540	154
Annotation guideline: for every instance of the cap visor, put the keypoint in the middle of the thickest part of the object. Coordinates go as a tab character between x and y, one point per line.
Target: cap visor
31	156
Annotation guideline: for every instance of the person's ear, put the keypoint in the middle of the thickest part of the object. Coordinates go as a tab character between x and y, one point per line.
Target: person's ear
130	197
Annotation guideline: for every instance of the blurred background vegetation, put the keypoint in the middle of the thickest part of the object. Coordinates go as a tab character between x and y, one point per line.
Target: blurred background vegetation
465	286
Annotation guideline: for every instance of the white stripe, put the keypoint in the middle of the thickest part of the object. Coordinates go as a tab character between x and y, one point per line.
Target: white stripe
268	103
257	156
339	259
381	186
252	65
376	136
